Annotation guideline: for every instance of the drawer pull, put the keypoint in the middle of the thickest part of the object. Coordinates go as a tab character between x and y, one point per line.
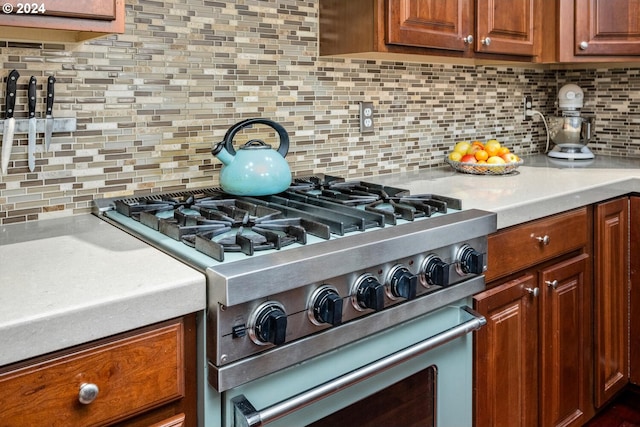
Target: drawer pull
544	239
88	393
552	283
533	291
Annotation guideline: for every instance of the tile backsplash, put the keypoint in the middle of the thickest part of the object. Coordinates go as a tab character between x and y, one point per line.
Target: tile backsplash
150	104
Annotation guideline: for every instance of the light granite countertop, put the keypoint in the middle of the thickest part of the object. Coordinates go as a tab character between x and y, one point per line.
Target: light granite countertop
538	188
71	280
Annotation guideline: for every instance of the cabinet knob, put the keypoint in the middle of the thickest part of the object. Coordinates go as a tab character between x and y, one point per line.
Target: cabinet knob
486	41
544	239
88	393
533	291
584	45
552	283
468	39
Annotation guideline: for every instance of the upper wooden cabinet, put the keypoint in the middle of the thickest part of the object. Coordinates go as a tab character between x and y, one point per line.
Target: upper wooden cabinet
475	29
61	20
507	26
591	30
438	24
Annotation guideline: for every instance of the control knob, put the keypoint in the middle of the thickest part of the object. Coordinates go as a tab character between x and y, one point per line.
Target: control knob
268	324
402	283
435	270
325	306
470	261
367	292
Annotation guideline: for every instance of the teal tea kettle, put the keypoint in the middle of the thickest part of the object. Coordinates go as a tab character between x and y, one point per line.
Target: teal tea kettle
255	169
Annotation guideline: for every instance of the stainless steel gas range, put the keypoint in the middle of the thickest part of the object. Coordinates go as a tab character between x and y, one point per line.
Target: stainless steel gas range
326	293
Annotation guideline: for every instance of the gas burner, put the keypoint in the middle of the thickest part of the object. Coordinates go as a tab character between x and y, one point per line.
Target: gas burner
411	207
214	222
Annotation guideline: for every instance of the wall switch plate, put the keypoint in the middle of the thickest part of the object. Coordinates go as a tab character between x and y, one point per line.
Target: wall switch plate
528	104
366	117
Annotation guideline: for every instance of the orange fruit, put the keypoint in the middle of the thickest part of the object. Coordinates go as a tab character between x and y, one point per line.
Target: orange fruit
492	149
481	155
503	150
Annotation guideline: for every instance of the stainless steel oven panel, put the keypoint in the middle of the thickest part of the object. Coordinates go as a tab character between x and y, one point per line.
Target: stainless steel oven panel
234	283
227	322
310	391
226	376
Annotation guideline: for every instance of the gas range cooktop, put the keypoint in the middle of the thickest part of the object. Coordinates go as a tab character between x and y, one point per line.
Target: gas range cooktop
208	226
325	263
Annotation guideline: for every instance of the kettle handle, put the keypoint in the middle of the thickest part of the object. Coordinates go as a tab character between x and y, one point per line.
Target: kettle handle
283	148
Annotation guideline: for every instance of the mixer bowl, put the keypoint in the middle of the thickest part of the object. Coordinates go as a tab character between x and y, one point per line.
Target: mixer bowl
567	131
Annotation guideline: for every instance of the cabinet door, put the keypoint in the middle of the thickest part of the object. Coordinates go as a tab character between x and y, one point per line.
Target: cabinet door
62	20
441	24
607	27
611	293
506	26
634	315
506	355
91	9
564	320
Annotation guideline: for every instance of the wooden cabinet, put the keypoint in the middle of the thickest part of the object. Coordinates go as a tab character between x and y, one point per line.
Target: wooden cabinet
565	342
438	24
506	355
62	20
533	363
477	29
611	298
634	294
592	30
139	378
509	27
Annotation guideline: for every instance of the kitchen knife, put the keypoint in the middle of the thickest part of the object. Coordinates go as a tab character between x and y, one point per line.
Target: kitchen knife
9	121
48	126
31	150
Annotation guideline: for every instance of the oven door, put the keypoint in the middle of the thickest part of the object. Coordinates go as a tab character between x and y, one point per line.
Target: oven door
433	350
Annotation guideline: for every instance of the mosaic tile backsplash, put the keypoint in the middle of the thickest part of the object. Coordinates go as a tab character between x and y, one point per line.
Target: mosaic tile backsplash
150	104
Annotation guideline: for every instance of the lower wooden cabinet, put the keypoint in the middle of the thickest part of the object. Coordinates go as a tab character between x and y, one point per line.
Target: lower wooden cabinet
146	377
634	270
506	355
565	342
533	359
611	298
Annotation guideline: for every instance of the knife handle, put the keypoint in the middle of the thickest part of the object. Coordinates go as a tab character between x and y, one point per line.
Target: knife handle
31	92
50	81
10	101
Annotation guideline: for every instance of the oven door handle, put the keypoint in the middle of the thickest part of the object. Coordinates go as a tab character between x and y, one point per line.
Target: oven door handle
245	415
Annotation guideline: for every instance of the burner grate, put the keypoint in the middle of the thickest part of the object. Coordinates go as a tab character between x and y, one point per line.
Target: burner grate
214	222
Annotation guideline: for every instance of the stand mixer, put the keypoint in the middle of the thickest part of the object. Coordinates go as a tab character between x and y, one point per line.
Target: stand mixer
570	132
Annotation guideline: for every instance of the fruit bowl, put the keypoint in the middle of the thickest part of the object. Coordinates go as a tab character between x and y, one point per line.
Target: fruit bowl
484	168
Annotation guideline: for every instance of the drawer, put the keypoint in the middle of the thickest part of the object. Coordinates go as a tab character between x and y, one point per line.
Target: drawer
528	244
133	374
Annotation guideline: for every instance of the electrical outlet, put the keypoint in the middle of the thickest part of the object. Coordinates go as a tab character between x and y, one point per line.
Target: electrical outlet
366	117
528	105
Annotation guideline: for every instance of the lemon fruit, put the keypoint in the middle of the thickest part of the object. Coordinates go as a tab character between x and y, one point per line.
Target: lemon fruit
495	160
462	147
455	156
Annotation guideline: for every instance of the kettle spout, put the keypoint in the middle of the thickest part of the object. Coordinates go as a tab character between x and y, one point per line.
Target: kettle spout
222	154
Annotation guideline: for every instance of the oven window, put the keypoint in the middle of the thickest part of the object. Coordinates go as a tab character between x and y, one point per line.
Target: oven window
408	403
